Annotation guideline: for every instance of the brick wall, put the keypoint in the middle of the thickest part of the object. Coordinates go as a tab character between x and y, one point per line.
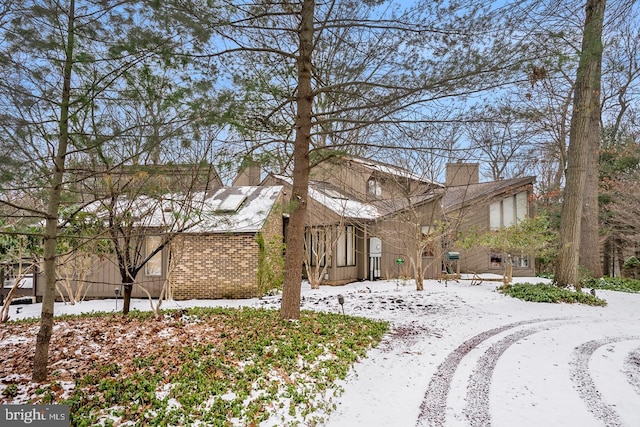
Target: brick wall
215	266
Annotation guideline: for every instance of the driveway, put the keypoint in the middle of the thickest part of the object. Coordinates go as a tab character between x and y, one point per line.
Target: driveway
465	355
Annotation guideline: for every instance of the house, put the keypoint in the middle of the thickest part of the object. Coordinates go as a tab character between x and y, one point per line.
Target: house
485	206
365	220
369	220
234	253
227	244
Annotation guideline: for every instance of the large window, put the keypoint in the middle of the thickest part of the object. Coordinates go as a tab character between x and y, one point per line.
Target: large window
498	260
316	246
346	246
153	267
508	211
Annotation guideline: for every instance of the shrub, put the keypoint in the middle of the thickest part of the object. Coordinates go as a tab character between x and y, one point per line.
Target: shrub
631	268
632	262
542	292
614	284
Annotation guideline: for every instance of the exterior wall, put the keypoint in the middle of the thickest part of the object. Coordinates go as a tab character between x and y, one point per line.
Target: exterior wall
462	174
353	177
477	259
215	266
341	175
399	241
105	278
224	265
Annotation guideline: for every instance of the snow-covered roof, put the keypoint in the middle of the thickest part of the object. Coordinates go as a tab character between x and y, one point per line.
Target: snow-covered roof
237	209
228	209
338	201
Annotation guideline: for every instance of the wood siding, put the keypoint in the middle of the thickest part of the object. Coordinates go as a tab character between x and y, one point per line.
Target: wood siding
477	259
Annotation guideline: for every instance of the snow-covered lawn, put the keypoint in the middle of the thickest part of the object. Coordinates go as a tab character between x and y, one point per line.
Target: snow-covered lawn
463	355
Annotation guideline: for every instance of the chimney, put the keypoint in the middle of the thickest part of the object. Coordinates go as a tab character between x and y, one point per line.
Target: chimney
249	174
462	174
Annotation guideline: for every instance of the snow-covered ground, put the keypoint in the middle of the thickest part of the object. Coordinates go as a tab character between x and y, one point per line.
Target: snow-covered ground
466	355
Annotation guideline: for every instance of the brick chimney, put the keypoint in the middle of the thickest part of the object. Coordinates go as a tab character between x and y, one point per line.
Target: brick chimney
462	174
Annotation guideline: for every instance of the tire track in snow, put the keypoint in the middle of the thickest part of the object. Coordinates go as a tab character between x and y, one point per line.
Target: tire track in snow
586	387
433	407
632	369
477	402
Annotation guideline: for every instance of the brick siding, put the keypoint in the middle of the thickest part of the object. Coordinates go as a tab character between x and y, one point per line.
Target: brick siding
215	266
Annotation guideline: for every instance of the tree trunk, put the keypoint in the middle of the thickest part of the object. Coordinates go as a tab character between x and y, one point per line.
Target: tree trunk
127	288
590	228
290	308
419	272
607	259
586	109
41	357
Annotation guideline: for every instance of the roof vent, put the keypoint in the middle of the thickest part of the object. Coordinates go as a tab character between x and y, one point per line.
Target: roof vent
334	194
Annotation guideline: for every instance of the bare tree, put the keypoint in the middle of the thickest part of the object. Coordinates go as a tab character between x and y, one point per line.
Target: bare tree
62	63
503	137
325	76
585	124
19	250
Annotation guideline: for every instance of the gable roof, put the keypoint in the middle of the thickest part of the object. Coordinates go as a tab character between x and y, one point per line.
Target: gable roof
242	209
387	169
460	196
336	200
452	198
348	206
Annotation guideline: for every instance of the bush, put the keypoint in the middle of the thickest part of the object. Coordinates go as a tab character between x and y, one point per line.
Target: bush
631	262
631	268
542	292
614	284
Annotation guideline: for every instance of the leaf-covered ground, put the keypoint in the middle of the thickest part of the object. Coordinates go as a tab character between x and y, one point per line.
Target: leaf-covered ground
212	366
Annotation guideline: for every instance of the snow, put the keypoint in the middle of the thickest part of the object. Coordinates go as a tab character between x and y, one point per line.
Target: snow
463	355
344	205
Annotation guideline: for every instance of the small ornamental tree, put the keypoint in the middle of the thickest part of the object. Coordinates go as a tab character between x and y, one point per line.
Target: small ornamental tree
19	250
530	236
82	245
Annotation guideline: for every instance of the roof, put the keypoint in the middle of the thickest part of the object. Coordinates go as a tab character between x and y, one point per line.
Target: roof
389	207
348	206
392	170
338	201
242	209
456	197
237	209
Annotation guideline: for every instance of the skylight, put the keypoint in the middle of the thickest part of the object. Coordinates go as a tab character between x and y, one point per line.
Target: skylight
231	203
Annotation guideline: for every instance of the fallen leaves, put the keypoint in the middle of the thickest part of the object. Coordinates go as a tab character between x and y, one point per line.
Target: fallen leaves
165	369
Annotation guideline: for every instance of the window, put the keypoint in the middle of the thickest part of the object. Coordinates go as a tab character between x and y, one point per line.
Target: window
508	211
428	242
374	189
495	259
521	261
316	246
153	267
498	259
346	247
